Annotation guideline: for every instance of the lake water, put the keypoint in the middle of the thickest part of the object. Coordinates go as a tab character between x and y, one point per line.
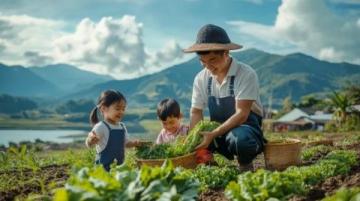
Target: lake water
60	136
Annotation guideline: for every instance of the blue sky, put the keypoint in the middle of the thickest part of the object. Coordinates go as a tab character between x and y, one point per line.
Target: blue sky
130	38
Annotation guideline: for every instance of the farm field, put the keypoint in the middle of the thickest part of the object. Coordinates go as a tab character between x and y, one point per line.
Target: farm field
327	171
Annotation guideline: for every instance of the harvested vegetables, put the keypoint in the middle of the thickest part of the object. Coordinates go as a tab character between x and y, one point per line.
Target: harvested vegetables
178	148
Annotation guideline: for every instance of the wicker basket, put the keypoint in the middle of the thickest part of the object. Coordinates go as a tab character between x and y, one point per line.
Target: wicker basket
281	154
186	161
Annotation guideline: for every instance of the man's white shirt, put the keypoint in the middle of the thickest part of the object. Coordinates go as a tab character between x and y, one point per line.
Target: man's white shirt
246	86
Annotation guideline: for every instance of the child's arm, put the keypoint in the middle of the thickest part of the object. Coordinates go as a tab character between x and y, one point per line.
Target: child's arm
91	139
129	143
134	143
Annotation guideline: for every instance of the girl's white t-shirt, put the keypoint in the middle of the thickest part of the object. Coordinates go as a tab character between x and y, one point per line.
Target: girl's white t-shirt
102	132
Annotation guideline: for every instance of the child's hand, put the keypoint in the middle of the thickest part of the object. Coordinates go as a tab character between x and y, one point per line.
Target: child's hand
92	139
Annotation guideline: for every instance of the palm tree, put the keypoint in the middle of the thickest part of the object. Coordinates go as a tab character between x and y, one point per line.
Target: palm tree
341	103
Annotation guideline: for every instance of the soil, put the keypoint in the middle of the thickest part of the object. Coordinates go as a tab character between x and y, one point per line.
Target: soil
213	194
52	173
317	192
331	185
314	158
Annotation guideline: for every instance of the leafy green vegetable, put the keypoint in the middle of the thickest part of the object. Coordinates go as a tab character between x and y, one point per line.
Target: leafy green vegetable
352	194
123	183
313	151
194	138
215	177
263	184
180	147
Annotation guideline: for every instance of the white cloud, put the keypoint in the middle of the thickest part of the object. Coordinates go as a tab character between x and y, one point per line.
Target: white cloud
116	44
36	59
166	55
22	33
264	33
109	46
112	46
312	27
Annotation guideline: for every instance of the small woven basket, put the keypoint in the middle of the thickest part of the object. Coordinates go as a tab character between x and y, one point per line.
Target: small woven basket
281	154
186	161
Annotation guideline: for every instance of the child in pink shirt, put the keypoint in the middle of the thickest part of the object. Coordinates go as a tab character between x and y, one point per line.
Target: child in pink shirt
168	111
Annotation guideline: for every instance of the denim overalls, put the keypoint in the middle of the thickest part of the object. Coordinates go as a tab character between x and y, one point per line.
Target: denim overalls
244	141
114	149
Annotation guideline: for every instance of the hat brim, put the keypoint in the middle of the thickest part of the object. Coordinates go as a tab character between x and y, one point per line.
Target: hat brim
200	47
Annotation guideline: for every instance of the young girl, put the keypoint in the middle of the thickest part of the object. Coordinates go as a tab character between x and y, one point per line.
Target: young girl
168	111
110	135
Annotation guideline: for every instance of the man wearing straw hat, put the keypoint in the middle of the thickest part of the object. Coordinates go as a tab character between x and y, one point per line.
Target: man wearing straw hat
230	90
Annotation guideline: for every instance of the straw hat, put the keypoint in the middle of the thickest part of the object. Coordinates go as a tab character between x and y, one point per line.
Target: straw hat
211	37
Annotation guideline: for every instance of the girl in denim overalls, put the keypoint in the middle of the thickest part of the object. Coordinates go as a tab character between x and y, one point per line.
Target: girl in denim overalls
109	135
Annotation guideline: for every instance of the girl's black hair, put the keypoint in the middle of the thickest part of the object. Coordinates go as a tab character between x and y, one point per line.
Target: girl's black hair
106	99
168	108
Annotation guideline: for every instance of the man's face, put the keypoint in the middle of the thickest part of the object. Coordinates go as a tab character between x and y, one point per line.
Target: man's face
214	62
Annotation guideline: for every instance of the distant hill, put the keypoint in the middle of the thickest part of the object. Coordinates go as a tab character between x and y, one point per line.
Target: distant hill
294	74
69	78
20	81
298	74
280	76
11	104
50	81
175	81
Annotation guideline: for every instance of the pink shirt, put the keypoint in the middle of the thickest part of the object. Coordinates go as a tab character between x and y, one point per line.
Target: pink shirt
166	137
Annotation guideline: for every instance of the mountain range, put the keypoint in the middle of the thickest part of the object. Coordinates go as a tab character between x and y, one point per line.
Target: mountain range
280	76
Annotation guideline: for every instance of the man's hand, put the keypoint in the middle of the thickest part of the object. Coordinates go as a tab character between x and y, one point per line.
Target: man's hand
92	139
207	139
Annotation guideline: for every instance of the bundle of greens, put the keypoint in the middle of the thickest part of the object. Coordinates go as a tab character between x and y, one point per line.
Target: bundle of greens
182	145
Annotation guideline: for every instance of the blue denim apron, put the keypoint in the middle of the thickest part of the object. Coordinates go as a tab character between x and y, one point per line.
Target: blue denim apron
244	141
114	149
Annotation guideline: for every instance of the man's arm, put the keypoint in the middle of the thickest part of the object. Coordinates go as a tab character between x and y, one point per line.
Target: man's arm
196	115
243	108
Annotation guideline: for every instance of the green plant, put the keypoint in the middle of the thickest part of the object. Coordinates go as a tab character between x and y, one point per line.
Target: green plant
313	151
215	176
263	184
344	194
194	138
123	183
180	147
